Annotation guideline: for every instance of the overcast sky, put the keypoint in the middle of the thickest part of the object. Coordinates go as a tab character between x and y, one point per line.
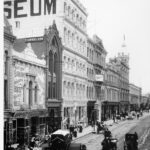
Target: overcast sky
111	19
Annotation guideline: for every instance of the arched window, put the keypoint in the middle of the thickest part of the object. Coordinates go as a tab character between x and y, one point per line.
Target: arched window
77	88
36	94
30	93
51	62
77	42
55	76
65	35
87	92
68	88
6	62
72	14
72	92
69	37
68	10
64	63
72	40
65	7
77	18
64	88
55	63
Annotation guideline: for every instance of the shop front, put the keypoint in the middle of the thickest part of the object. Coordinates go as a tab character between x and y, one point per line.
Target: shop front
20	126
109	110
54	115
124	106
91	112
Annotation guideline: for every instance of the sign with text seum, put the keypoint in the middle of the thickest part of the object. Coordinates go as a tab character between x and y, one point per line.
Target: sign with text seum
25	8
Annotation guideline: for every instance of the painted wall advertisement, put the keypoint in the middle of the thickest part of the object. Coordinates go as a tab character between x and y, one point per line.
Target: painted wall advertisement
19	76
21	81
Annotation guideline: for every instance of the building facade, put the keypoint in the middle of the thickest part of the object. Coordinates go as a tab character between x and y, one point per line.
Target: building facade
95	71
35	77
70	17
112	95
145	102
117	87
134	97
90	91
8	108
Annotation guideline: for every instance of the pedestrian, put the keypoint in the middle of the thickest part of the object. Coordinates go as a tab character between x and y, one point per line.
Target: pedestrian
32	143
138	115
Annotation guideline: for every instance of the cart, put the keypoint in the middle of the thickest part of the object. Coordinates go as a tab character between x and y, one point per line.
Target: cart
130	142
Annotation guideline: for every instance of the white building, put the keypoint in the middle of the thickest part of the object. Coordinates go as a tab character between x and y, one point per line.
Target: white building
30	18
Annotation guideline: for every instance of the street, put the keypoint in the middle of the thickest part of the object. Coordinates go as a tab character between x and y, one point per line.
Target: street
141	126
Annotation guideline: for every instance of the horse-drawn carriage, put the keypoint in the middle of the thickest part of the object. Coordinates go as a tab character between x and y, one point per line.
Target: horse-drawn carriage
130	142
62	140
109	143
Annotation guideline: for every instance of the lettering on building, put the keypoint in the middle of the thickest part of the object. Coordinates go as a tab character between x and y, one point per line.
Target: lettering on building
25	8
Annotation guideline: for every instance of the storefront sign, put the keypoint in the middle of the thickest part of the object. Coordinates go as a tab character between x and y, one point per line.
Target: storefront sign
25	8
99	78
34	39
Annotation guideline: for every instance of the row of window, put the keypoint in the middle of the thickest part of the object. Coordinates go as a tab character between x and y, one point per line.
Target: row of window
90	73
73	65
74	41
71	89
112	95
90	92
90	54
74	16
100	59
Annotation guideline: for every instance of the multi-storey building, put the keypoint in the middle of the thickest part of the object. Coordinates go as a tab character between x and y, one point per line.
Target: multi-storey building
95	72
145	102
122	62
8	106
99	71
91	112
111	104
134	97
34	77
117	87
70	17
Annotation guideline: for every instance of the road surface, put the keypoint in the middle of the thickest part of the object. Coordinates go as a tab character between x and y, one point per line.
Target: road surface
141	126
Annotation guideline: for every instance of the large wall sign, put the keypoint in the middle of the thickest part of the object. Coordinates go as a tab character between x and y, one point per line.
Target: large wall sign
25	8
19	76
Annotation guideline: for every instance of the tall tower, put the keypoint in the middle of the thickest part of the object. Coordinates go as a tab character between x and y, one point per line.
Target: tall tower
124	54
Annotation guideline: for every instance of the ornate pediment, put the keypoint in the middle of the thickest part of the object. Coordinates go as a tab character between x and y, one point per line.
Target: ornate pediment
29	51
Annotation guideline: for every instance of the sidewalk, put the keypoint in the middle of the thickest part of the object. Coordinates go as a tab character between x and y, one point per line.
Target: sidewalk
89	129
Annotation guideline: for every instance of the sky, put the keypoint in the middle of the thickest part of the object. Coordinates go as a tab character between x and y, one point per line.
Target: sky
111	20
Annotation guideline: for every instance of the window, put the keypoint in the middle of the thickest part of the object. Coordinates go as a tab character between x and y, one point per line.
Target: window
17	24
36	94
49	89
54	90
6	62
5	94
65	35
65	7
68	10
30	93
50	62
